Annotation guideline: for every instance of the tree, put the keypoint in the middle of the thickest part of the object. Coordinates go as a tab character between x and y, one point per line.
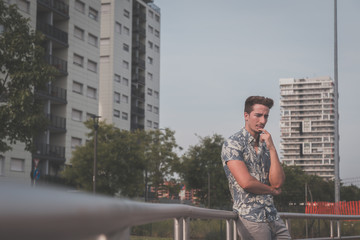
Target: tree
123	156
201	164
23	70
160	158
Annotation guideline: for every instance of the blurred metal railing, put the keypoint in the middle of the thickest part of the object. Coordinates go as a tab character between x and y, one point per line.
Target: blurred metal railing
44	213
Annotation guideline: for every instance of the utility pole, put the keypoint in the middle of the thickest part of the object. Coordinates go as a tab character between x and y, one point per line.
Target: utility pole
96	127
336	92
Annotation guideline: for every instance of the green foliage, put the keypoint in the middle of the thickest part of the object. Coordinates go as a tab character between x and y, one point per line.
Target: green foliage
122	159
202	162
23	69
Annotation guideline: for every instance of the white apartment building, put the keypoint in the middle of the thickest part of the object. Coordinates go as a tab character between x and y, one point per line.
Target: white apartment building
130	64
108	54
307	124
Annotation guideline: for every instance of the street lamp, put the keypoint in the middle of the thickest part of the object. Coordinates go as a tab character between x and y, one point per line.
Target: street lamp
96	126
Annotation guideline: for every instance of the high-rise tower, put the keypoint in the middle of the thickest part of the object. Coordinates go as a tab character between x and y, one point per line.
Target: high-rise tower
307	124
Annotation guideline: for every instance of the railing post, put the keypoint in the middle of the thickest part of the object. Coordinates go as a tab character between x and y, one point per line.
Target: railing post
178	229
186	228
338	229
331	229
124	234
288	224
229	229
235	234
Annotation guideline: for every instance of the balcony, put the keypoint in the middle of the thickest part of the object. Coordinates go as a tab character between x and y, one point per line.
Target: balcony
135	125
139	79
138	62
139	46
137	13
58	63
50	152
60	8
138	111
53	33
57	124
138	94
55	94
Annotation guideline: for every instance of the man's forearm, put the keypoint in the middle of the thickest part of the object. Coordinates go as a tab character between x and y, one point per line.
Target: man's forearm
256	187
276	172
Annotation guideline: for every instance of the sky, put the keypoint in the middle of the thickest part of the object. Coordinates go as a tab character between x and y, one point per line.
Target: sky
214	54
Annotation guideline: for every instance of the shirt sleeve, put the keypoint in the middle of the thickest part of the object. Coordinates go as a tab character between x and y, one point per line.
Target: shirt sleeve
231	150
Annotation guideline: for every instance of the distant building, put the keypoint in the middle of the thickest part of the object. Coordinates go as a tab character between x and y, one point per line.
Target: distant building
130	64
108	54
307	124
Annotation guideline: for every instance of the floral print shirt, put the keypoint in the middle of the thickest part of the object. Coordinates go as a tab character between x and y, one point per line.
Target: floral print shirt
252	207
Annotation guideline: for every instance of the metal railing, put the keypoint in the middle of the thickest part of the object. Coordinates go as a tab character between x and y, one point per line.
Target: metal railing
38	213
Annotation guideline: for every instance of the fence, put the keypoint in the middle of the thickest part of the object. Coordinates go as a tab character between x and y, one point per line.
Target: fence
342	208
36	213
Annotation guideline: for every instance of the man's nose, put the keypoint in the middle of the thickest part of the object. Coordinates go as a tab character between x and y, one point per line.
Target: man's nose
263	120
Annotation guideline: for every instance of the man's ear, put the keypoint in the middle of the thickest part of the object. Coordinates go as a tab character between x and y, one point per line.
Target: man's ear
246	116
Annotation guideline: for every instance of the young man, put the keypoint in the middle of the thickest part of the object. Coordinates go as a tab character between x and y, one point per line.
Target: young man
255	174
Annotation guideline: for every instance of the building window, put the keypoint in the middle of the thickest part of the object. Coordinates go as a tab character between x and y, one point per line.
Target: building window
124	116
156	110
151	14
75	142
118	27
91	92
149	91
150	60
92	66
17	165
24	5
125	82
77	87
117	78
157	33
156	94
150	76
2	163
79	33
157	49
116	97
126	13
156	125
126	47
92	40
125	65
105	41
149	108
76	115
125	98
116	113
78	60
151	29
90	116
149	123
93	14
127	31
157	18
150	44
80	6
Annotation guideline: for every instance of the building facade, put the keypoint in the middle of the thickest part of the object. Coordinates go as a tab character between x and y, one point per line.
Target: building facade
307	124
130	64
100	49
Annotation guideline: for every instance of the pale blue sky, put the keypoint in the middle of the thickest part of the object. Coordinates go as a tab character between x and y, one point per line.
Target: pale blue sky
214	54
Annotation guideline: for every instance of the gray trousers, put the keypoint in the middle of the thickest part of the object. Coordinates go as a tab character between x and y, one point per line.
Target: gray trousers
275	230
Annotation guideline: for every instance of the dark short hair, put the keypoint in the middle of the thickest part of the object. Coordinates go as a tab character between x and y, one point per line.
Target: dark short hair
252	100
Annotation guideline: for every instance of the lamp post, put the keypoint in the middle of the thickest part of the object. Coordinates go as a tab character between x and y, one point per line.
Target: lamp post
96	127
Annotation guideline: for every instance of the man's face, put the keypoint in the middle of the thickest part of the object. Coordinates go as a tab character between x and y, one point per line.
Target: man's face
257	119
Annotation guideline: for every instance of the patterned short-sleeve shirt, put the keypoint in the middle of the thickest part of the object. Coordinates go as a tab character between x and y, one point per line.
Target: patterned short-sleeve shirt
252	207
